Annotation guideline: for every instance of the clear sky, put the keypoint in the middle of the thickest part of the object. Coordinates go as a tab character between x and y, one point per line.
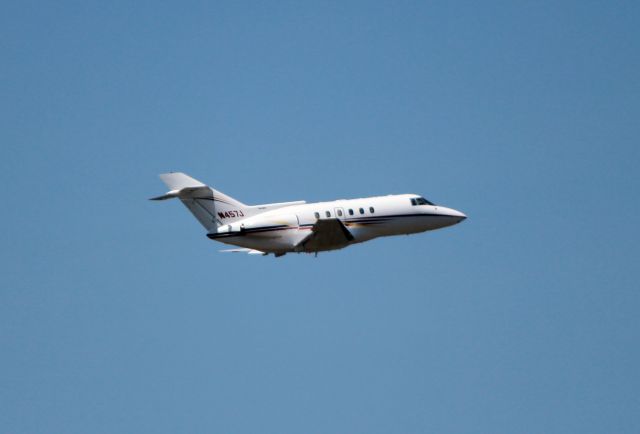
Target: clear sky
118	315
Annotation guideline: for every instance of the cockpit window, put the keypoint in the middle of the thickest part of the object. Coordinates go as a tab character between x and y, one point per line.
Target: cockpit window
420	201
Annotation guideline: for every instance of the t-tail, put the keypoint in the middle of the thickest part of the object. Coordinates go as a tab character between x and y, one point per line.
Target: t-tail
211	207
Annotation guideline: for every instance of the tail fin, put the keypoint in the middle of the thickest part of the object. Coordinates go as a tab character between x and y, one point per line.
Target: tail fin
178	181
209	206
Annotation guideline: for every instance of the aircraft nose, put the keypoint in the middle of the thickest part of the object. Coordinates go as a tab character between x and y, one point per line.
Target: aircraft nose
459	216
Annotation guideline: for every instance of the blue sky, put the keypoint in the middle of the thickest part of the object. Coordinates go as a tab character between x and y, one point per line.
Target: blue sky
118	315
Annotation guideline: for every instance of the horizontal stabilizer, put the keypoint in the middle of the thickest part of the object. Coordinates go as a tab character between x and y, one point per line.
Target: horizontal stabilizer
187	192
168	195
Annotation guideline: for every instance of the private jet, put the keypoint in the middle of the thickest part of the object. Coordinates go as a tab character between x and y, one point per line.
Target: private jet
301	227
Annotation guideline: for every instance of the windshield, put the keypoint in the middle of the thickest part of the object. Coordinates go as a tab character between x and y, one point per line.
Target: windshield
420	201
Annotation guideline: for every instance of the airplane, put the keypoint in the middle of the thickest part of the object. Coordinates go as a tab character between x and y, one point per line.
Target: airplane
301	227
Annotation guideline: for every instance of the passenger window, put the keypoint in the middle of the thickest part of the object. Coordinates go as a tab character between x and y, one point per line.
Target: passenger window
361	210
328	213
339	213
371	210
350	211
317	214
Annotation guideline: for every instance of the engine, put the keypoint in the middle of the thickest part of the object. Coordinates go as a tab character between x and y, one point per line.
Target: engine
260	223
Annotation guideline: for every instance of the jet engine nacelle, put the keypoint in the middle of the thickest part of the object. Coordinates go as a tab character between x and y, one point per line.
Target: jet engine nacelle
225	229
254	224
267	222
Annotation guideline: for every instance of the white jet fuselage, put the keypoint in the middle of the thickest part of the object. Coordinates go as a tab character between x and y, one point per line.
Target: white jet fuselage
280	228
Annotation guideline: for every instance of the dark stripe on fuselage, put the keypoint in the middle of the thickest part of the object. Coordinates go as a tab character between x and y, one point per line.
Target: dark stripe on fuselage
372	220
249	231
405	215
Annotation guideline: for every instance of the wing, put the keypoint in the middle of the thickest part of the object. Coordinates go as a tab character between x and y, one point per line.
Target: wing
244	250
326	234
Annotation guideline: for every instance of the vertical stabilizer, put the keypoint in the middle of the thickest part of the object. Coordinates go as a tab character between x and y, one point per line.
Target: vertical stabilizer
211	207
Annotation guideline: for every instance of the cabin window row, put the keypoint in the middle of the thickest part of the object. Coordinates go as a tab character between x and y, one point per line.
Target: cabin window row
339	212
